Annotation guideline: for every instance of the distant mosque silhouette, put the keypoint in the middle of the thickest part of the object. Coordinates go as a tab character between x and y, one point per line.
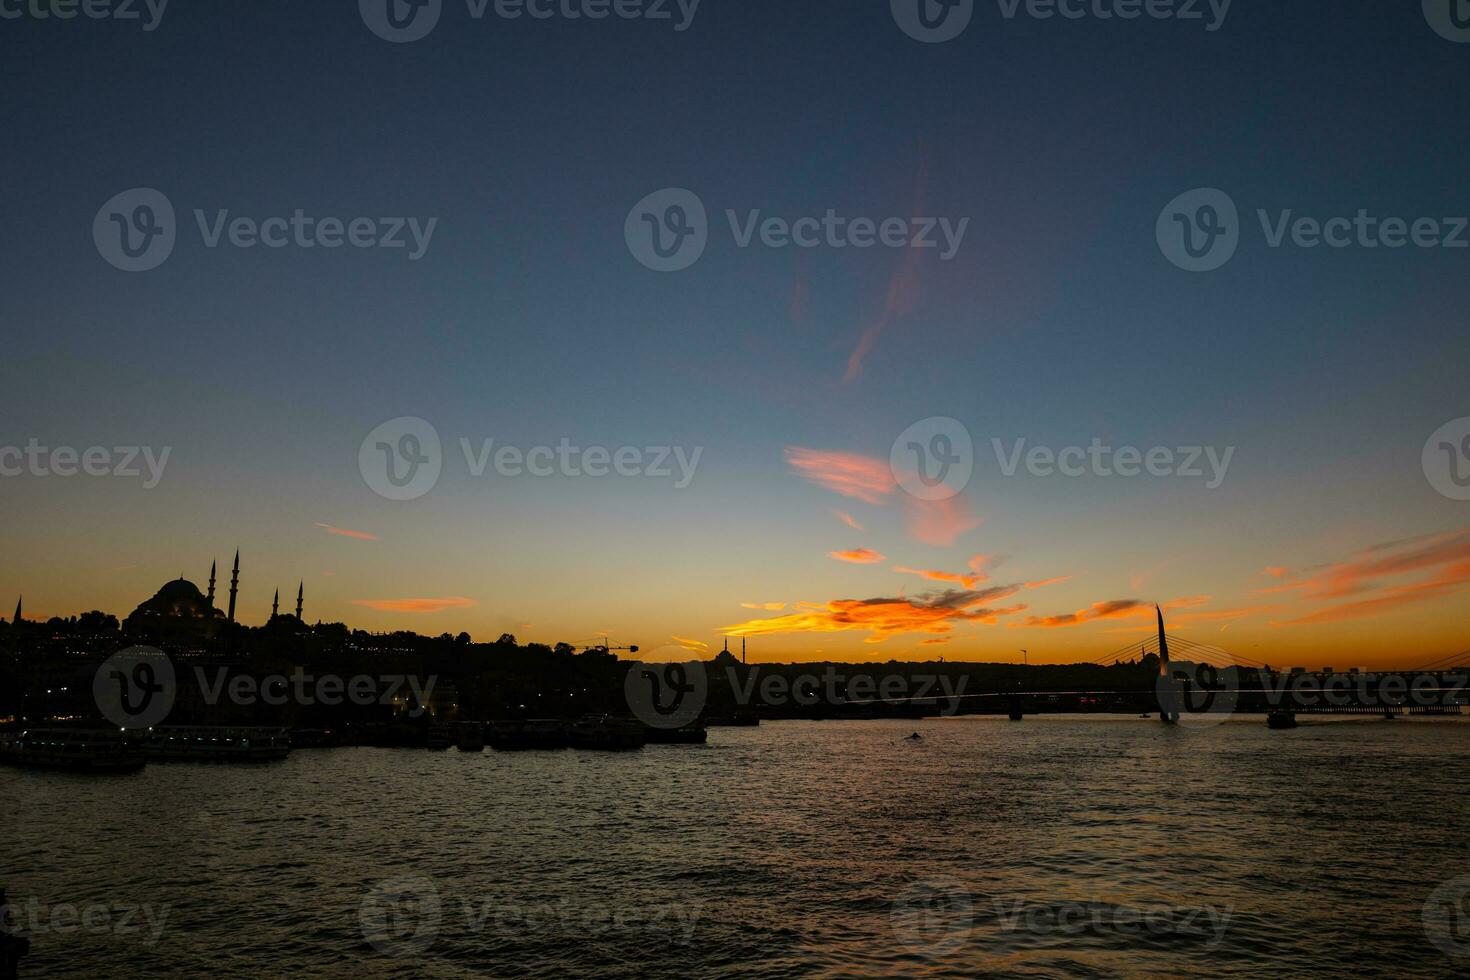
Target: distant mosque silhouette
180	607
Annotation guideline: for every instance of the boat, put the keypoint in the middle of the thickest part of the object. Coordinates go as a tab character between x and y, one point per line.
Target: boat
1281	719
539	733
215	743
440	738
688	735
72	749
607	733
471	736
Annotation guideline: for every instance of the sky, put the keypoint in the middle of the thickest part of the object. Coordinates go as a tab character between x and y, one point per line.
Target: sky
529	319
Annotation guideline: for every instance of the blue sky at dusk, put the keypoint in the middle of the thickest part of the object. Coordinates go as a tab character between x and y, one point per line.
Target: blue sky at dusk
529	321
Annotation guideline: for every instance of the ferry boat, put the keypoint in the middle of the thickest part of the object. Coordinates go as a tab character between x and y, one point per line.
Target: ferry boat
606	733
178	743
76	750
538	733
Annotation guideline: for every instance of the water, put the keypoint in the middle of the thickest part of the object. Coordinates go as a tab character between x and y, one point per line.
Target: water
1057	847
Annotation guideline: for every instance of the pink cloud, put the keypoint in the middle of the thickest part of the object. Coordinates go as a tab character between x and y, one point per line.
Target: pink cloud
344	532
416	605
864	478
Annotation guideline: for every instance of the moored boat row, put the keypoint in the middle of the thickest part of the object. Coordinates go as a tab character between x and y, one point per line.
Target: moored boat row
75	750
113	750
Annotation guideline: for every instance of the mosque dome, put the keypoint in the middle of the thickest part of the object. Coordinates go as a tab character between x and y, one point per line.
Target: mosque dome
179	599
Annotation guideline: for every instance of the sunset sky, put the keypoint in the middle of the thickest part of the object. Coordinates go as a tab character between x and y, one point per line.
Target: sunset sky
528	322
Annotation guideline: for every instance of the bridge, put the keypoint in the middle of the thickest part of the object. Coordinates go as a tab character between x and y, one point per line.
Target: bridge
1210	684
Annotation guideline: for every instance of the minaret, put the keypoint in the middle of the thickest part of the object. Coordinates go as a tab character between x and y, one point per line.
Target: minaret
742	650
276	604
210	597
234	584
18	601
300	590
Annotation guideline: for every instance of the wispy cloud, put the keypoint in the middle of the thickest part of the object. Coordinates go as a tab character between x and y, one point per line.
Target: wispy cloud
1372	578
1109	609
1050	581
765	606
416	605
344	532
960	579
932	613
903	285
858	556
848	519
864	478
697	646
939	522
871	480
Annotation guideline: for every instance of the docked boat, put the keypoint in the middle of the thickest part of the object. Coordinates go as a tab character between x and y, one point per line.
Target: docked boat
541	733
609	734
210	743
471	737
1281	719
75	750
440	738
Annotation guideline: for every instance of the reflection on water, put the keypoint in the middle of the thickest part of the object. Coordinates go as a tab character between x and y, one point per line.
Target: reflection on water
1054	847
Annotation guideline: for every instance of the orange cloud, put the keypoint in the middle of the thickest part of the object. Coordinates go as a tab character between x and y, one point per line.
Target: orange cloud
935	641
1111	609
416	605
1274	571
966	581
766	606
934	613
697	646
1366	570
344	532
848	519
864	478
1050	581
858	556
